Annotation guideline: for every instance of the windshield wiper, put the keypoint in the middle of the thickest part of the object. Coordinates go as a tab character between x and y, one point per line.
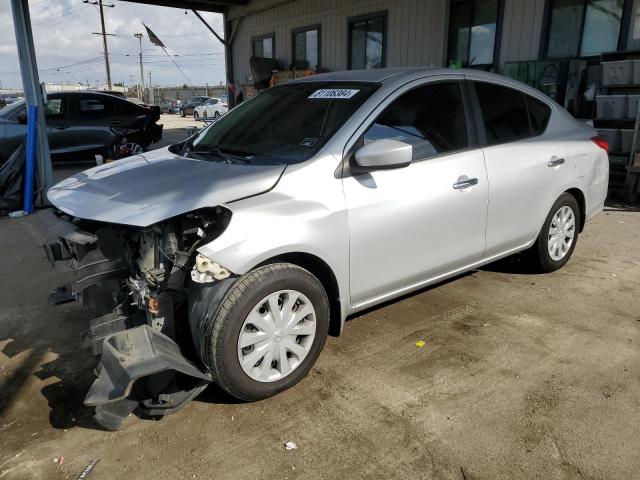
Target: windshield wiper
228	157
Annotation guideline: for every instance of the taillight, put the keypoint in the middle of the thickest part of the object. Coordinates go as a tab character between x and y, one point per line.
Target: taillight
601	142
225	105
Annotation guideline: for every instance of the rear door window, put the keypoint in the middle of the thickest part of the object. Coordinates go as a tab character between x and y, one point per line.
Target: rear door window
510	114
431	118
504	113
540	113
94	108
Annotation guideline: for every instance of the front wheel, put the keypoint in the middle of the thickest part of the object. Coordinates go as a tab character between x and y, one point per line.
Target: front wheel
559	234
182	113
195	115
268	331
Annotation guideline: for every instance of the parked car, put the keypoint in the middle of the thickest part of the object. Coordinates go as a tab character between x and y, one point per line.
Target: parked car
3	102
312	201
82	124
168	105
212	108
190	105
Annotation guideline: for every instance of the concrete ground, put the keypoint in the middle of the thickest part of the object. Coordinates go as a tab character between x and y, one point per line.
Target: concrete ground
521	376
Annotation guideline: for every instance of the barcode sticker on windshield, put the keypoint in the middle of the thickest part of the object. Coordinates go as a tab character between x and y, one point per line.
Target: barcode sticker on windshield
334	93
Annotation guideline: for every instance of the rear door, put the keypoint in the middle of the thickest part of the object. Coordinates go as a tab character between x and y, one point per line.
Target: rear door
413	224
526	164
94	117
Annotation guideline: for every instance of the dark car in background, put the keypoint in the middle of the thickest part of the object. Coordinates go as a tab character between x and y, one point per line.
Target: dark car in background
169	105
82	124
189	105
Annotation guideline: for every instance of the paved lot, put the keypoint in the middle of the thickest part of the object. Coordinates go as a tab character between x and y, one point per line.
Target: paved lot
522	376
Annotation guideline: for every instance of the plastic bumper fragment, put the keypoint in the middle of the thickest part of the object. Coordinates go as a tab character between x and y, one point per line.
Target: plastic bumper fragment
133	354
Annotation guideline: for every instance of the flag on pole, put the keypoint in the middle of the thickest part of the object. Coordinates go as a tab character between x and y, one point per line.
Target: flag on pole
153	38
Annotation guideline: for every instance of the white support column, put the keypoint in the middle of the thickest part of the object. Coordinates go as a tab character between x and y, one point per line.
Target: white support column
33	92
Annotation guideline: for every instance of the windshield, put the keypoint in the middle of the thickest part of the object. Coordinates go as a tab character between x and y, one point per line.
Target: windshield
285	124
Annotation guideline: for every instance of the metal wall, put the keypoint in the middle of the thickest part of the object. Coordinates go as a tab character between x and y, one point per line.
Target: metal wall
521	30
416	30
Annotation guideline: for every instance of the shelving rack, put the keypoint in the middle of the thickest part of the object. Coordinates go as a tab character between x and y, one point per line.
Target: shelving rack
623	175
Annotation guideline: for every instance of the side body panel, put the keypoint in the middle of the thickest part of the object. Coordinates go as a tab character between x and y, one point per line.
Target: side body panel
410	224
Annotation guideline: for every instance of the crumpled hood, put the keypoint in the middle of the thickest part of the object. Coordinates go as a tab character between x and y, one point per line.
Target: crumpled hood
149	188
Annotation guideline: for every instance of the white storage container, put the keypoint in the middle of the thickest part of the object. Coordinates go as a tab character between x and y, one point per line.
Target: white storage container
611	106
626	137
612	136
632	105
617	73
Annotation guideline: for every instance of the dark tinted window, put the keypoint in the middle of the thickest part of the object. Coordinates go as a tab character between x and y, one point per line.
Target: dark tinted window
539	113
366	42
431	118
94	107
472	31
54	108
504	112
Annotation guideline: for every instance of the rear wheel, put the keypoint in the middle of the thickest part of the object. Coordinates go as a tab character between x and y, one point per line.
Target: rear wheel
195	115
216	115
268	331
182	114
559	234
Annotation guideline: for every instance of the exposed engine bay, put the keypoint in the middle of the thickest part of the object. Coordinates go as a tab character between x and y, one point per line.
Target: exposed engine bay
146	284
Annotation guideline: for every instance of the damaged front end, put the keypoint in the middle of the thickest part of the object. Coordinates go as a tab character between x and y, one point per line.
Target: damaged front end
139	279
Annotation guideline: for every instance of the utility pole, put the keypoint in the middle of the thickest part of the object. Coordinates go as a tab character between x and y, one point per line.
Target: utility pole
151	98
139	37
104	38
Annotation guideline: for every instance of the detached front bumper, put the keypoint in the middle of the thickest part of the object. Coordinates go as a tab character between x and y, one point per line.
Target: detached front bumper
140	368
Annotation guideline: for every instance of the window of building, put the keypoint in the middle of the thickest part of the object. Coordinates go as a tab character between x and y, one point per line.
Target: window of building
306	47
581	28
430	118
264	46
367	42
472	31
515	116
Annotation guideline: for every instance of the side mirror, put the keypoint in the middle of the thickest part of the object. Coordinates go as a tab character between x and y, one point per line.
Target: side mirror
384	155
22	116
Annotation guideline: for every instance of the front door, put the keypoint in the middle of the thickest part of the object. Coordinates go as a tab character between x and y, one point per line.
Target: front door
413	224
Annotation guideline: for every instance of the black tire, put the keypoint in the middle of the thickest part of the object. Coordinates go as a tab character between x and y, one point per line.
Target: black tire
182	114
221	333
216	115
195	115
539	253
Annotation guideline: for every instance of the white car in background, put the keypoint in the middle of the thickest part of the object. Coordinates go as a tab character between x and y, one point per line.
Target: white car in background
212	108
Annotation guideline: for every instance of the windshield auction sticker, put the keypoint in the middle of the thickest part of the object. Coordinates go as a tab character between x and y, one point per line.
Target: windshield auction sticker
334	93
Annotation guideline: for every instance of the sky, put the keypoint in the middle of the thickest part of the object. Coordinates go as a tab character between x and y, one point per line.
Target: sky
67	50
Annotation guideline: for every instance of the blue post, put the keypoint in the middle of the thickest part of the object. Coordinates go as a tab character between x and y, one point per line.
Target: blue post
30	164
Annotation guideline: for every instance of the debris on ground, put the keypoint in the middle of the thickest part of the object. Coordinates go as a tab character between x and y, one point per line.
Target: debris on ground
421	343
486	324
290	446
87	470
58	460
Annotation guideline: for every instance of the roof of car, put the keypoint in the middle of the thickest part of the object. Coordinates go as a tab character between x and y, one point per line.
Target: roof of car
383	75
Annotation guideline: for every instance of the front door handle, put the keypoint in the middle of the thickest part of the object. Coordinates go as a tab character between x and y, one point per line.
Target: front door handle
115	122
464	184
555	162
61	127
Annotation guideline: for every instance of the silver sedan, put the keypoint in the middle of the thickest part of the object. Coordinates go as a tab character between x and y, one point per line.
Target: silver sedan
312	201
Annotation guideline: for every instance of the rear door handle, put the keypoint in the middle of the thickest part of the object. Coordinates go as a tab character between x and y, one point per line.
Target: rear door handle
61	127
115	122
464	184
554	162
